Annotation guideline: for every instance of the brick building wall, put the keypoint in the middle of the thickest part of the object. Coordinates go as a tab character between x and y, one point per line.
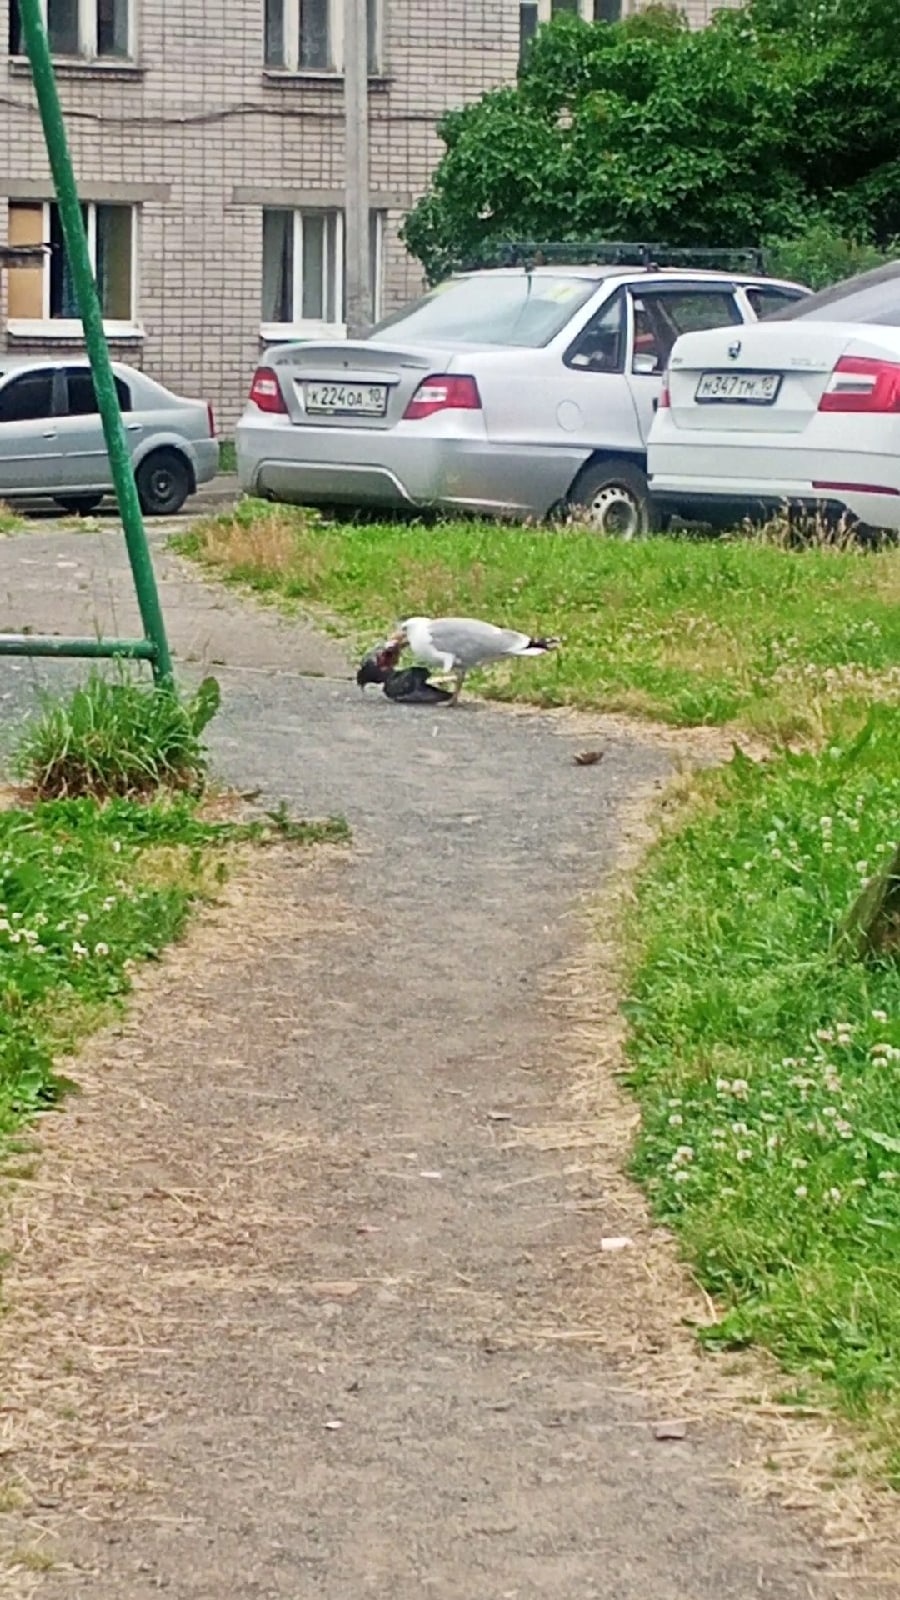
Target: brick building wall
190	129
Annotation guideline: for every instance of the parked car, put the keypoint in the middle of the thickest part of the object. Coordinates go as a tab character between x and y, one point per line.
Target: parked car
52	444
512	390
804	411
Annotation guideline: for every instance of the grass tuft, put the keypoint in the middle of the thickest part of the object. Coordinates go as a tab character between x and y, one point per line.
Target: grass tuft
115	738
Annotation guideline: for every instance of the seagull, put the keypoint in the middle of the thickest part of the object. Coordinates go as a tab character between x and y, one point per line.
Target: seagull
457	644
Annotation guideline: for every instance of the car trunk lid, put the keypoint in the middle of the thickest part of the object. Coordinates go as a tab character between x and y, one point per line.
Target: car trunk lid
754	379
353	384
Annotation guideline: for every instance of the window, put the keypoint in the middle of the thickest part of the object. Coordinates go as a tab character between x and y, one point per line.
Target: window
600	347
307	35
521	311
95	30
661	315
46	293
533	12
28	398
766	301
81	397
303	267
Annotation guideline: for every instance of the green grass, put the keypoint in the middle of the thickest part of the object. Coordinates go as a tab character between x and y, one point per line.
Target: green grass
85	892
686	631
768	1066
117	736
227	456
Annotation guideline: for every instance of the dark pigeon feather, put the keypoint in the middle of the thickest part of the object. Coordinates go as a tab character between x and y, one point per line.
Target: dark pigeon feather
412	688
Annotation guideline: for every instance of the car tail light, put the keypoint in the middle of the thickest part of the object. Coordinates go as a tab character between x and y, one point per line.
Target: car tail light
664	402
862	383
265	391
443	392
211	419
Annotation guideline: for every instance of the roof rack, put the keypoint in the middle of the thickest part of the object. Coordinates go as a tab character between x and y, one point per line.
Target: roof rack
614	252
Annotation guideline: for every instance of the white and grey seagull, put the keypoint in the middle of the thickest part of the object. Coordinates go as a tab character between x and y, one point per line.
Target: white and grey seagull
456	645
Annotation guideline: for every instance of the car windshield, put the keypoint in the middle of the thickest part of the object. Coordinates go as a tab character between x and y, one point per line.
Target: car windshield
522	309
869	297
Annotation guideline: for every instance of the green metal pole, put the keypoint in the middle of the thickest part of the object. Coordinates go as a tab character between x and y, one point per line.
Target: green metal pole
38	49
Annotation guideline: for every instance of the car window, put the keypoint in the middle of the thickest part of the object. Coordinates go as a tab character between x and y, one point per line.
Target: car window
600	346
767	301
661	315
82	396
868	297
27	398
521	309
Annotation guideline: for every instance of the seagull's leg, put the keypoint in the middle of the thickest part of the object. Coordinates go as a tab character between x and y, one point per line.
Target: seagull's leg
458	680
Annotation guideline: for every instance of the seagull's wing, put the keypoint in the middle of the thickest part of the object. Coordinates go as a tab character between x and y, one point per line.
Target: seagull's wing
470	641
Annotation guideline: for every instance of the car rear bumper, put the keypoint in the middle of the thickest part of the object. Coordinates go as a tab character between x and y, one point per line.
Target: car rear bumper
726	501
206	460
404	468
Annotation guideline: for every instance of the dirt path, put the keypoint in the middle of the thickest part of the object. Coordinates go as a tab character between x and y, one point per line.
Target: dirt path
308	1295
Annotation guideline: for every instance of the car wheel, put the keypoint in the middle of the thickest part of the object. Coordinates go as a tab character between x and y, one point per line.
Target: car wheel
78	505
614	499
163	483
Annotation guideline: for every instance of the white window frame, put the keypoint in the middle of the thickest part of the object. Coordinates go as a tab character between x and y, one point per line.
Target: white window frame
47	327
291	29
307	327
314	327
88	24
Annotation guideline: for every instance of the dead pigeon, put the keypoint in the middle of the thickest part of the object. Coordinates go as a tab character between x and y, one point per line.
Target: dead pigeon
410	687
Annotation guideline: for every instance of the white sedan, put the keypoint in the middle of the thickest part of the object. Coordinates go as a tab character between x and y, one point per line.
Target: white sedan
803	409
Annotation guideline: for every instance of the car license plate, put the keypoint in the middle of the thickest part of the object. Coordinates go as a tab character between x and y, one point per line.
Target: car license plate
345	399
738	388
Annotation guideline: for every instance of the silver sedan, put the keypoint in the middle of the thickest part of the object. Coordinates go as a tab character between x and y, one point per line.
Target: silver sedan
510	391
52	444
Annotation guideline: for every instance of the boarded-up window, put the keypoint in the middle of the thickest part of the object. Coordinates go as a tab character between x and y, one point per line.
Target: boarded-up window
26	284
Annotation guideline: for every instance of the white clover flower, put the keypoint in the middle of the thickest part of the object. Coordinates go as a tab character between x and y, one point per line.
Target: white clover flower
801	1191
740	1128
676	1119
745	1155
835	1196
101	949
681	1176
740	1088
877	1016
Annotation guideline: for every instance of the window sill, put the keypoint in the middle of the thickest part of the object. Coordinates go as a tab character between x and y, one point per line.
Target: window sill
81	67
66	331
300	332
289	78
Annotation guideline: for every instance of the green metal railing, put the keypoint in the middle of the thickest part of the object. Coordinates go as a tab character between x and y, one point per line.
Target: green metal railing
154	647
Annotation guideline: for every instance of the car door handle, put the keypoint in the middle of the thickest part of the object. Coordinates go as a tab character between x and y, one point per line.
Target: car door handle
135	427
49	433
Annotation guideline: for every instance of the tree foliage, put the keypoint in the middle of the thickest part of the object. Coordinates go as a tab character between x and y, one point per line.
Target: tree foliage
775	121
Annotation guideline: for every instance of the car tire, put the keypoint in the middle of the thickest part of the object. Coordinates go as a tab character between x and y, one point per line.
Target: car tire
613	498
163	483
78	505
